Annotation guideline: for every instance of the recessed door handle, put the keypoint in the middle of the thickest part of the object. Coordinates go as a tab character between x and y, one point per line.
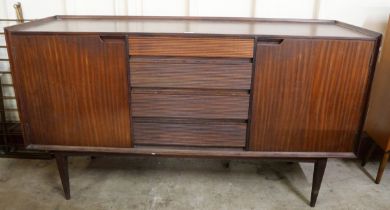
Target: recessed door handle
111	38
270	41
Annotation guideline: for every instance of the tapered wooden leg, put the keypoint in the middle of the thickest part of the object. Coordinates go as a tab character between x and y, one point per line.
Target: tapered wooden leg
319	169
62	165
369	153
382	167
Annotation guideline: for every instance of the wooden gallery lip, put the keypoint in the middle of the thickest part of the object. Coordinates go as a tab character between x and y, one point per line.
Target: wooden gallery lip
192	87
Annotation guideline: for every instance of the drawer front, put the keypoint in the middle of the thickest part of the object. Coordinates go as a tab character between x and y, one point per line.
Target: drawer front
191	46
191	75
190	134
189	105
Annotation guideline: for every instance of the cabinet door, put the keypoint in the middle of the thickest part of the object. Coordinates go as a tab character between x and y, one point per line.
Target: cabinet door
308	94
72	89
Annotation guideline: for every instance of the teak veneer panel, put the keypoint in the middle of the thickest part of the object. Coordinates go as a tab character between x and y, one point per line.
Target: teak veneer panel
211	134
72	90
185	25
186	104
191	75
191	46
308	94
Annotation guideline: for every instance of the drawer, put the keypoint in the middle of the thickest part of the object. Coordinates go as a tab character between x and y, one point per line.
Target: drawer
191	46
190	73
190	134
189	104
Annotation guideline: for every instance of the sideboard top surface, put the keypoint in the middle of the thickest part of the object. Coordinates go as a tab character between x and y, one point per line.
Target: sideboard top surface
195	25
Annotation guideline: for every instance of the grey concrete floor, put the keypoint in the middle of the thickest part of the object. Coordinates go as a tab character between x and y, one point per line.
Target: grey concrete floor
170	183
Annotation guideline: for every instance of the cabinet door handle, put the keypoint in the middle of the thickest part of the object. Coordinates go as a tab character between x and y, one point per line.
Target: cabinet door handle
270	41
111	38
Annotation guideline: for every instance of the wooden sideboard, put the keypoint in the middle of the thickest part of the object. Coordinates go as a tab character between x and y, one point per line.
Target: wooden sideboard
192	87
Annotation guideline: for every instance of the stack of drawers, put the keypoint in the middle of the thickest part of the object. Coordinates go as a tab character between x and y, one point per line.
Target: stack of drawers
189	91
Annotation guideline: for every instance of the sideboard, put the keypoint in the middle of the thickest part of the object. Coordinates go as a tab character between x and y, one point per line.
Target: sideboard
192	87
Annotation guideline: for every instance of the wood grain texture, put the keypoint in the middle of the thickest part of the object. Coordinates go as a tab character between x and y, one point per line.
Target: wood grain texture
191	46
195	152
378	116
72	90
190	74
185	25
190	104
318	174
189	133
308	95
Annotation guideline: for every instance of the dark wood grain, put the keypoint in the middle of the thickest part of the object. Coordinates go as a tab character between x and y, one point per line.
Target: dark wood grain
191	73
318	174
72	90
190	133
176	25
189	60
198	152
62	166
190	104
308	94
191	46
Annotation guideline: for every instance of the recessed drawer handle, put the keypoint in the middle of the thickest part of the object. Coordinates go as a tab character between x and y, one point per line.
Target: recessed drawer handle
270	41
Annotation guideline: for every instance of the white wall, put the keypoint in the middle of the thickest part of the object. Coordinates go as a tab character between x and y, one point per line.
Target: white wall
371	14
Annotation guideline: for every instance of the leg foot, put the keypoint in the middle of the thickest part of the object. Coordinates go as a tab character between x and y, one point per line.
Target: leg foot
369	153
319	169
62	165
382	167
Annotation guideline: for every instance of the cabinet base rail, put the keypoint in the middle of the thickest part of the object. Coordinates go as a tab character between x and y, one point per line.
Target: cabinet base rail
319	169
